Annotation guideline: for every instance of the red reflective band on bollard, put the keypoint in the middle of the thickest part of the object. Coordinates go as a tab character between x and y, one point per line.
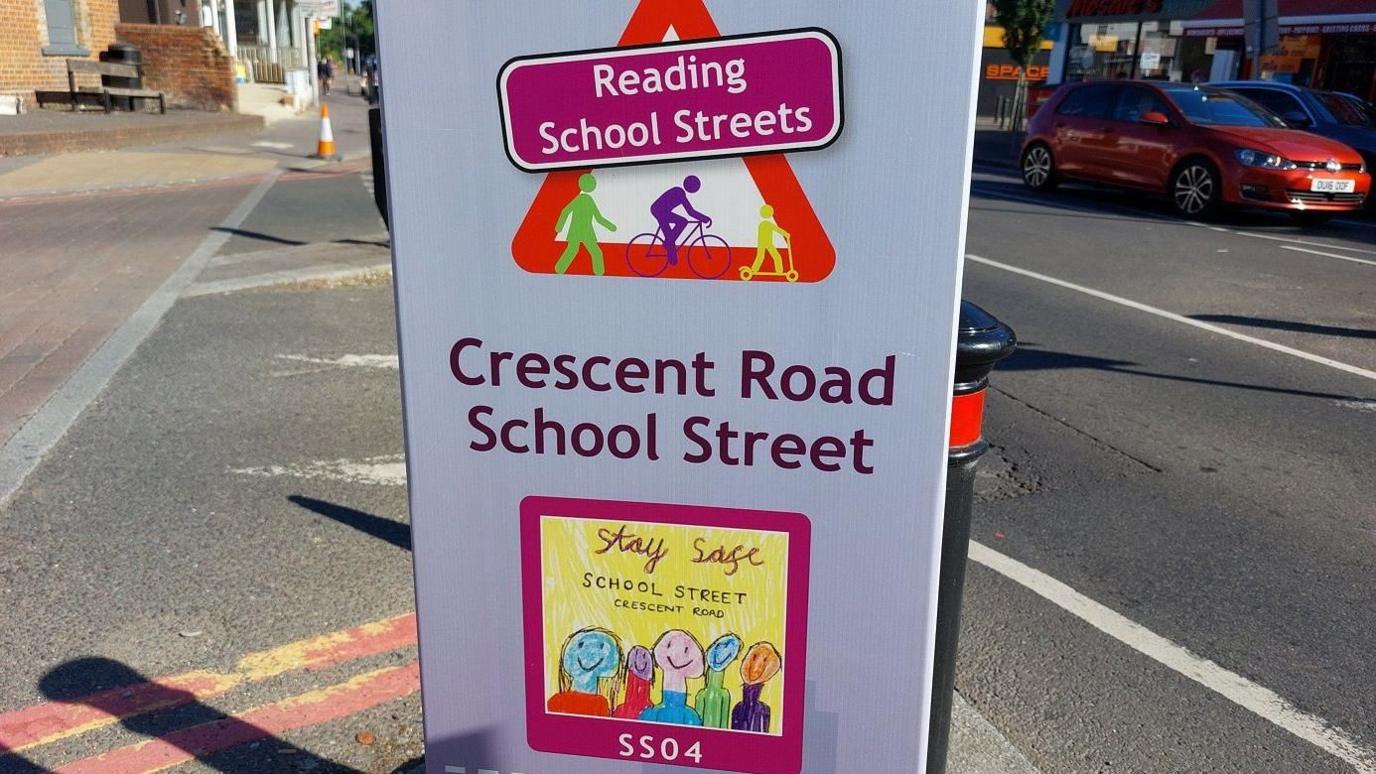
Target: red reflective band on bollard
967	419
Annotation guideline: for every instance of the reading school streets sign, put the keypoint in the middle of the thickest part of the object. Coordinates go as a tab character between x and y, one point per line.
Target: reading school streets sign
677	314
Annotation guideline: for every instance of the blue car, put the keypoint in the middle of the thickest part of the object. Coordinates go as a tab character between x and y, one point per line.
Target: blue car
1331	114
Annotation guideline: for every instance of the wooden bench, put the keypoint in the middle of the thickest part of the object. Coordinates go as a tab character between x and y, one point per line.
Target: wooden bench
82	66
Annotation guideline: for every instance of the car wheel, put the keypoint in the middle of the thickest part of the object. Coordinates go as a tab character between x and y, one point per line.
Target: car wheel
1038	168
1195	188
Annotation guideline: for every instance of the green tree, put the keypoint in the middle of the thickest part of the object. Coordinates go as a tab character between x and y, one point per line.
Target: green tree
353	29
1024	25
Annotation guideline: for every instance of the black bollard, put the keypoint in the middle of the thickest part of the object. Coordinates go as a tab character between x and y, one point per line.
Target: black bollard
379	162
981	343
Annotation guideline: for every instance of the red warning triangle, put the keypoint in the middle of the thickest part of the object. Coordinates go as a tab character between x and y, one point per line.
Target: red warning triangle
537	248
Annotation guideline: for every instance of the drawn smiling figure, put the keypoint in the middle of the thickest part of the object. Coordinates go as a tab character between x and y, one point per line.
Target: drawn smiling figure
640	676
680	657
588	656
713	702
761	663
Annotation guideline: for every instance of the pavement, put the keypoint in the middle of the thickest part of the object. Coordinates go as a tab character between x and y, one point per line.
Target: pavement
44	131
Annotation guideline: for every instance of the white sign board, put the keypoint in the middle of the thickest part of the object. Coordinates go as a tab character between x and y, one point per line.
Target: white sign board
677	285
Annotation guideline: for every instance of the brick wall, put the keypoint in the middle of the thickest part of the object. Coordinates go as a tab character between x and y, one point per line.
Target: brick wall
23	33
188	63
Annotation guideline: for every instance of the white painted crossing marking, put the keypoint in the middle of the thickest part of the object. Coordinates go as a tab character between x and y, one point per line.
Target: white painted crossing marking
1328	255
348	361
1307	242
1172	316
1230	685
1359	405
383	470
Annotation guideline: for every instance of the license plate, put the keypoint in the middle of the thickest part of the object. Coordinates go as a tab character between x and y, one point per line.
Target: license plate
1333	186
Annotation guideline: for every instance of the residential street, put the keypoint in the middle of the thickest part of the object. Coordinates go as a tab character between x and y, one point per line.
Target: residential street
1174	533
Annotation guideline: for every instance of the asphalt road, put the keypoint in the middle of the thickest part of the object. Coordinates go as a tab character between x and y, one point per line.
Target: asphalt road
176	562
1213	489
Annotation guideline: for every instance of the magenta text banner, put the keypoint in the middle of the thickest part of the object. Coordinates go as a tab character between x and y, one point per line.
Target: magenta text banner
772	92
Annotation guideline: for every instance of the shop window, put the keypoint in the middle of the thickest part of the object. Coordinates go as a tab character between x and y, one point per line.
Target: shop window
61	18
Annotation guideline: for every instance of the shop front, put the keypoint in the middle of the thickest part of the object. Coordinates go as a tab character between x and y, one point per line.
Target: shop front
1328	44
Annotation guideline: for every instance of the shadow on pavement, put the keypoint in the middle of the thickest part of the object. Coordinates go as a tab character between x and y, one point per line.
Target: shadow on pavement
1287	325
394	532
1030	358
177	720
258	235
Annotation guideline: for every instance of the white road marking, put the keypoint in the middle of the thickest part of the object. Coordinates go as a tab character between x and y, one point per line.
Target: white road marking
1230	685
1359	405
1328	255
273	145
385	470
1172	316
348	361
1102	206
323	273
1309	242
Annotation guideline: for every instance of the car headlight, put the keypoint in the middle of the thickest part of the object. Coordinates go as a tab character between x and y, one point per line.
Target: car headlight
1256	158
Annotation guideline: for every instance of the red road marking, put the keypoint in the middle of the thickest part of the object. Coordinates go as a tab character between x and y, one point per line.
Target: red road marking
44	723
310	709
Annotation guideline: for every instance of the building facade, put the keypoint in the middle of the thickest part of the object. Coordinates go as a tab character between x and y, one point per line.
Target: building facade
37	37
1328	44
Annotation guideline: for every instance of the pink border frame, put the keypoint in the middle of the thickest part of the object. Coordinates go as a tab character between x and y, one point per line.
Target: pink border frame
599	737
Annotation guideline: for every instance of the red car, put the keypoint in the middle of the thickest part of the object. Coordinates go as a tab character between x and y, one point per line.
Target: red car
1204	147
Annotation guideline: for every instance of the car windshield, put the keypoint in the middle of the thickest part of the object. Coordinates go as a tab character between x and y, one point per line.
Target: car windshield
1220	108
1347	109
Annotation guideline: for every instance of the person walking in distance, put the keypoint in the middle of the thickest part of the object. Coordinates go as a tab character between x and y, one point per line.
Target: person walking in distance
671	223
580	214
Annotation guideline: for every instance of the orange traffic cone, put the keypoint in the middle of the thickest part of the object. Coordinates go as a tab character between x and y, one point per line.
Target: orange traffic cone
325	149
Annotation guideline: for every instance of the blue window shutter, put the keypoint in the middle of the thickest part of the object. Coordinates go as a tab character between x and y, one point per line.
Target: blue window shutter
61	22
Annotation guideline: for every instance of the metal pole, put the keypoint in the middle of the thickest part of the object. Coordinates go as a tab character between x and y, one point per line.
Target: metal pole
982	342
1136	51
312	59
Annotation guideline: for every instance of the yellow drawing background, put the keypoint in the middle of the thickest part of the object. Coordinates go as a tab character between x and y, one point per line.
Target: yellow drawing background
566	552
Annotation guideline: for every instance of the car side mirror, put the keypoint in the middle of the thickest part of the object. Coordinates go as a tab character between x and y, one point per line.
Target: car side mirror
1155	118
1297	118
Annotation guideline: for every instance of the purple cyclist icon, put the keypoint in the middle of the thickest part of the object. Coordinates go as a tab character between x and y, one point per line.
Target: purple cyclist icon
671	223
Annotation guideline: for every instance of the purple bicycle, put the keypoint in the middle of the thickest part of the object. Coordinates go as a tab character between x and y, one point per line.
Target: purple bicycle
708	255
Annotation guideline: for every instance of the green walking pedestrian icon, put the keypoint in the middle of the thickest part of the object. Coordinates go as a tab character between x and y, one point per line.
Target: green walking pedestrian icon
580	214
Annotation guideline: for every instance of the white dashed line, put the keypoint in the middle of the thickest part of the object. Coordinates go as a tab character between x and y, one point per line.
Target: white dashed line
1230	685
348	361
1172	316
1328	255
384	470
